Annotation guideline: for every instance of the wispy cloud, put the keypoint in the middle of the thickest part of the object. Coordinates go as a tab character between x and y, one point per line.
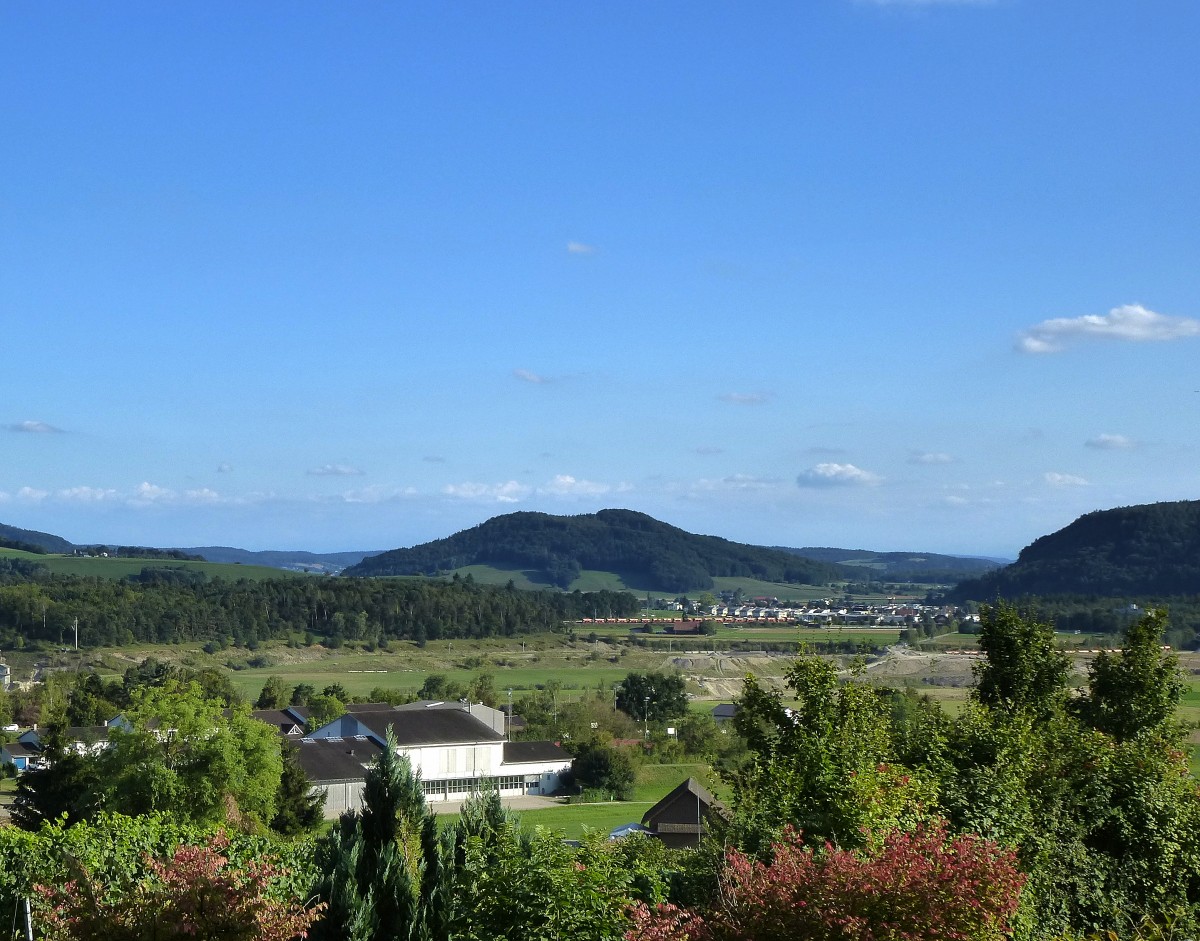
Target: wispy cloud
88	495
930	457
565	485
1107	442
837	475
1132	322
433	459
707	449
1055	479
508	492
745	398
32	494
580	248
34	428
224	468
526	375
739	482
335	470
375	495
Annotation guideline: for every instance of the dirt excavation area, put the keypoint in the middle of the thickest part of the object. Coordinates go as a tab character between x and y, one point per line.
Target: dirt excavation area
717	676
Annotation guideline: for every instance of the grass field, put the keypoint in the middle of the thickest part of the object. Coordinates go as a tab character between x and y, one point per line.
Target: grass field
589	580
572	819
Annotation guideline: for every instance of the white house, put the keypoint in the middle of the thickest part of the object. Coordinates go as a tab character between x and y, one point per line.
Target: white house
456	748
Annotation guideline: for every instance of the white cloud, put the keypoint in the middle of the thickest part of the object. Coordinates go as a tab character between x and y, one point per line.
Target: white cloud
745	398
146	493
1107	442
203	496
335	470
34	427
580	248
931	457
87	495
837	475
32	494
1055	479
526	375
955	500
508	492
1132	322
566	485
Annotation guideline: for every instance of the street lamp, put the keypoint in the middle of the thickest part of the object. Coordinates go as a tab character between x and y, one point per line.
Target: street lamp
646	715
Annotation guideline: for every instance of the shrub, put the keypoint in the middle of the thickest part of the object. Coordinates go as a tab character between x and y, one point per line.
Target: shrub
196	893
916	886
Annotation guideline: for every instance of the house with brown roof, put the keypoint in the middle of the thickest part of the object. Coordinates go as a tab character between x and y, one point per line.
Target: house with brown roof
685	816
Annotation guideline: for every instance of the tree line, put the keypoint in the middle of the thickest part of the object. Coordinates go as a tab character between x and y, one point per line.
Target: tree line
167	606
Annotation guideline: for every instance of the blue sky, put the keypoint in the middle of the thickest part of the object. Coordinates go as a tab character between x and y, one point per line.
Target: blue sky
917	274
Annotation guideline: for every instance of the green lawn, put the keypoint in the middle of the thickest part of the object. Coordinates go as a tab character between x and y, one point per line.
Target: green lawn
571	819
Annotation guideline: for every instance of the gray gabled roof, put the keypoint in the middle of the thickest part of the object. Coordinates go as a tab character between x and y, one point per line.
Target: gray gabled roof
695	795
283	720
429	727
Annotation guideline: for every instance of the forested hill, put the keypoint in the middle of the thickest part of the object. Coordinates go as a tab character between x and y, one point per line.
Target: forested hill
648	554
1133	551
32	541
902	566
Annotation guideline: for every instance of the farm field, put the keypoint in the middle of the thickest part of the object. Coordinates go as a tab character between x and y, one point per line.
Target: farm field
591	580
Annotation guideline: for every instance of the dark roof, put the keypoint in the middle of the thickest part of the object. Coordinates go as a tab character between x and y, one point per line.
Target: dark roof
356	707
693	791
333	759
429	727
282	720
533	751
86	733
20	749
726	710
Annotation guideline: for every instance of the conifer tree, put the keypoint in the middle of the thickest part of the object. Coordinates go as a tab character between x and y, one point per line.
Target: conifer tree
383	864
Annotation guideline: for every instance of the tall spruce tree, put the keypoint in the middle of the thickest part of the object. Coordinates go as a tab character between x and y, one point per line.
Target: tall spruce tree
383	866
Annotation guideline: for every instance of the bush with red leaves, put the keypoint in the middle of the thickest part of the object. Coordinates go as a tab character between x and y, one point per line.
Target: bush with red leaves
922	885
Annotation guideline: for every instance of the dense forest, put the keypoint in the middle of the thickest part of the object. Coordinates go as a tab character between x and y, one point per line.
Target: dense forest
648	554
171	605
1135	551
29	540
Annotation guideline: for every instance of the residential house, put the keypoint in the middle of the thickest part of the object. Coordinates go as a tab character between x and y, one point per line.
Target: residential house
685	816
